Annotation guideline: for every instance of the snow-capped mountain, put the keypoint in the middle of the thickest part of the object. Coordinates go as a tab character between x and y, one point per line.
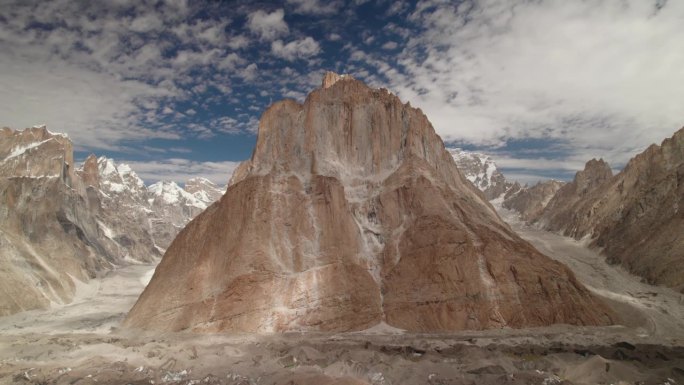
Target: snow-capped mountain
123	210
204	189
55	226
481	171
163	208
171	208
169	193
59	223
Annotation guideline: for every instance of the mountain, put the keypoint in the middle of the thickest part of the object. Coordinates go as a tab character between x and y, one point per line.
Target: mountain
59	224
351	213
481	171
51	230
530	201
160	210
634	217
204	190
122	209
563	210
172	207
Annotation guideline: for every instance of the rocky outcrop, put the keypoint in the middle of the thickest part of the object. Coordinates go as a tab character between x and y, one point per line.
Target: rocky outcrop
530	202
561	213
350	213
482	172
635	217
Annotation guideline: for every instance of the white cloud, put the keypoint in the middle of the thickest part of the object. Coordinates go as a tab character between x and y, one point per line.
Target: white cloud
100	70
315	7
238	42
96	109
250	72
535	164
146	23
180	170
297	49
267	26
603	76
390	45
527	178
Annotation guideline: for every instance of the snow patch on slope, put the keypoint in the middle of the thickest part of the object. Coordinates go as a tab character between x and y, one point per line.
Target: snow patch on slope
19	150
171	193
481	170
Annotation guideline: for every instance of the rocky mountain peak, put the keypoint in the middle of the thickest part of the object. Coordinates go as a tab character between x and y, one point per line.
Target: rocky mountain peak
331	78
321	137
351	213
203	189
91	172
595	173
119	178
481	171
36	152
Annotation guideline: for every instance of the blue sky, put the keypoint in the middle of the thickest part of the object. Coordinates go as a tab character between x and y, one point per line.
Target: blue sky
175	88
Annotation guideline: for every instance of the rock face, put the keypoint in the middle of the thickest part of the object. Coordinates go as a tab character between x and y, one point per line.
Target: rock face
349	213
482	172
59	224
635	217
531	201
562	210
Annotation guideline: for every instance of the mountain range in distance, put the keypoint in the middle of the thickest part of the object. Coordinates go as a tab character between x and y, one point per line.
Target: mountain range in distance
635	217
60	223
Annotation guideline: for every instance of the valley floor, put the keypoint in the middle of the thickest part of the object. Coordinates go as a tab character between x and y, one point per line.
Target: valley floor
80	343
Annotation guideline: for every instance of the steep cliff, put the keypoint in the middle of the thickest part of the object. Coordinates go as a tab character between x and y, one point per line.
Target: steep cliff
349	213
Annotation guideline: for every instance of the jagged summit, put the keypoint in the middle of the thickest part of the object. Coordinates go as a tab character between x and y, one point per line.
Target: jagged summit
481	170
36	152
351	213
331	78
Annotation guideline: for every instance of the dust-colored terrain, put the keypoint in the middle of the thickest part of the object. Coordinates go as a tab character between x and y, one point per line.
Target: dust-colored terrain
80	343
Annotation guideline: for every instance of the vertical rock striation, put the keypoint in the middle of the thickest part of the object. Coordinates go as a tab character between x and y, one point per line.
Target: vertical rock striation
349	213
